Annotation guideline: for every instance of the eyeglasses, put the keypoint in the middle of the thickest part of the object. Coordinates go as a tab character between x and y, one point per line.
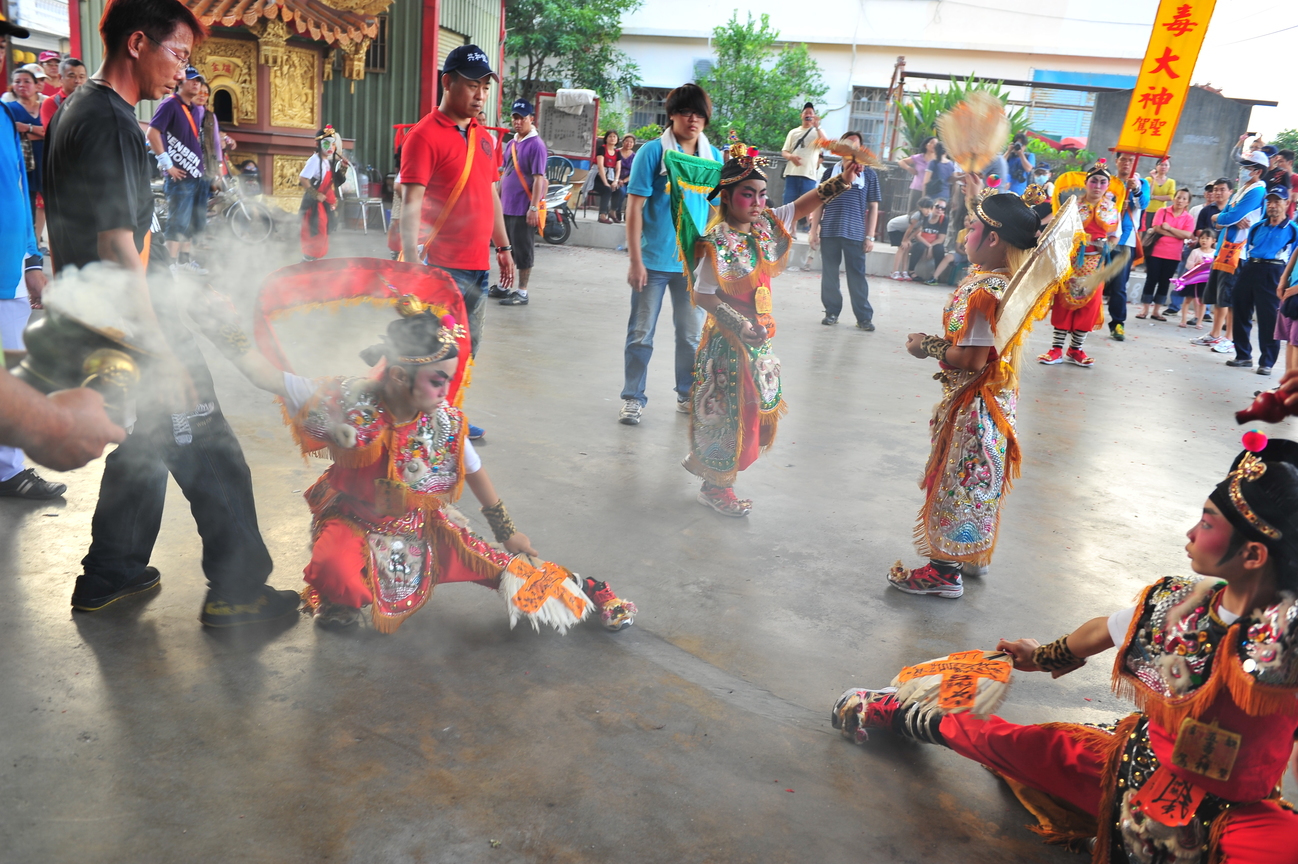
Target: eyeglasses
690	115
180	61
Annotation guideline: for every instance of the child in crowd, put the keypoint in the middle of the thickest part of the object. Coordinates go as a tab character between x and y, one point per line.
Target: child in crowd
904	236
1201	253
928	242
956	258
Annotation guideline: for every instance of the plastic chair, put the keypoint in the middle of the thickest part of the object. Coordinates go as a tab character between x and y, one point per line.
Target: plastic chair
558	169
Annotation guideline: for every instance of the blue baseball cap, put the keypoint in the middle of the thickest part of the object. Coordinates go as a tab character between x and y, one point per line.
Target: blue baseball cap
522	108
1270	149
191	73
1278	192
470	61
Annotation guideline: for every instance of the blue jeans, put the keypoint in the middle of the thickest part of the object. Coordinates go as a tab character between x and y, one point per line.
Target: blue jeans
688	320
186	207
473	285
1118	294
852	253
796	187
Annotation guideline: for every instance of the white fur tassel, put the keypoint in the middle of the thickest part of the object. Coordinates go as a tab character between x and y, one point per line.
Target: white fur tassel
552	612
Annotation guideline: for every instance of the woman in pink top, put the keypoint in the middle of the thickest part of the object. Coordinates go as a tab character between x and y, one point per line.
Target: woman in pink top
1174	225
917	165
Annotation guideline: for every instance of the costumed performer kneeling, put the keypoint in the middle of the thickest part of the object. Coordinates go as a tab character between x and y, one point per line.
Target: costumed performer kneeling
1212	665
974	451
384	532
736	400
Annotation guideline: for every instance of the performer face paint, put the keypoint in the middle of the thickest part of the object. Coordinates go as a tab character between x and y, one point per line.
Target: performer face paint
747	201
1096	186
1210	542
421	389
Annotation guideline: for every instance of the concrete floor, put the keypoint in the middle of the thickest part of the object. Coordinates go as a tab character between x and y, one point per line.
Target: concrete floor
702	733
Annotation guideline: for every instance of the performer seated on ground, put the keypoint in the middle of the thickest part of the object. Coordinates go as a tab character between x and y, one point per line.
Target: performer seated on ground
1212	665
384	532
975	451
736	401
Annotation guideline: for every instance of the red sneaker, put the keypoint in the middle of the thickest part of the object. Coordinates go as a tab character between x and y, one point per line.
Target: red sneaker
859	710
616	613
722	499
1078	357
1053	357
926	580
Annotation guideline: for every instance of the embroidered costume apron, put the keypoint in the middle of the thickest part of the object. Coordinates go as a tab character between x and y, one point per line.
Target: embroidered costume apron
1078	307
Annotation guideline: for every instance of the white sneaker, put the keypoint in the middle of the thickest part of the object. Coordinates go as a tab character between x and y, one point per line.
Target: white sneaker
631	411
1224	346
1203	340
683	406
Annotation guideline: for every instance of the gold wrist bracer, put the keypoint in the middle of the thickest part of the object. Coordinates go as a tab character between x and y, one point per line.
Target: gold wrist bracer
935	346
832	188
1056	657
498	518
728	317
233	340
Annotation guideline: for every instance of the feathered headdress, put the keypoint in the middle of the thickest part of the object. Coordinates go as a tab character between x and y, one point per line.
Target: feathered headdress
974	131
742	162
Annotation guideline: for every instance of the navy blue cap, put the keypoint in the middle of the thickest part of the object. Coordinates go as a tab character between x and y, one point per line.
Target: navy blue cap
191	73
1270	149
522	108
470	61
1278	192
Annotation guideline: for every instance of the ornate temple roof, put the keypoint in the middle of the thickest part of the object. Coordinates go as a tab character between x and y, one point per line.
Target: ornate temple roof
342	27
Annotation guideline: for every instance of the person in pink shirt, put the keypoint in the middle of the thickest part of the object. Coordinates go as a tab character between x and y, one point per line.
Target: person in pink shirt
1174	225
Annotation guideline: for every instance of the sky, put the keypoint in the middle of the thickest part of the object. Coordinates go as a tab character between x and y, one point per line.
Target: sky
1251	51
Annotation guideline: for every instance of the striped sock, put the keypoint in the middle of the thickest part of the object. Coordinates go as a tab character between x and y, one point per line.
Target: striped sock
1079	339
1060	337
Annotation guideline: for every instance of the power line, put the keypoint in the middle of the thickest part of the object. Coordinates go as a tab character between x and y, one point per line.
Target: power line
1259	36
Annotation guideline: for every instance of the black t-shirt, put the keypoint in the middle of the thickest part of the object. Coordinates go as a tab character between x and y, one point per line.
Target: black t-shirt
1204	219
97	171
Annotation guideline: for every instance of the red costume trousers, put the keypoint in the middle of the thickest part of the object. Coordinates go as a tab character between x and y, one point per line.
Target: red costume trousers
1050	759
1085	318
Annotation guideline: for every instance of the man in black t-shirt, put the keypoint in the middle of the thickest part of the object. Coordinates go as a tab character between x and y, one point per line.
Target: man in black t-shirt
100	208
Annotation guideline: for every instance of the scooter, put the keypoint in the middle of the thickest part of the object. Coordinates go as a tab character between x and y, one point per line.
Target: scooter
559	218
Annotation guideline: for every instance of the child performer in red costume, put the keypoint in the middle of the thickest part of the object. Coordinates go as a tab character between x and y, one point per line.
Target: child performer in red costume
1212	665
1079	308
384	532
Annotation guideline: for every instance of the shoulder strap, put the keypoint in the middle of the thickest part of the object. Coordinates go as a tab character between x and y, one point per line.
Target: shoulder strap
190	118
455	192
518	171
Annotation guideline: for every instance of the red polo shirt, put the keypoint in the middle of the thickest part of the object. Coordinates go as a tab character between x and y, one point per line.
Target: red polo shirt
433	156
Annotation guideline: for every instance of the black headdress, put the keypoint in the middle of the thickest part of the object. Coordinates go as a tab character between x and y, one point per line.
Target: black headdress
416	338
743	162
1013	217
1260	497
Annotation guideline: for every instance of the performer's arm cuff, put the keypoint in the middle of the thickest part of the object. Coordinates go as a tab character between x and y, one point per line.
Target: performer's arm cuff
728	317
498	518
936	346
832	188
1056	657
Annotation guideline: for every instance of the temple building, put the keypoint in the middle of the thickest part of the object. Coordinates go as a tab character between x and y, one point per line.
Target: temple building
281	69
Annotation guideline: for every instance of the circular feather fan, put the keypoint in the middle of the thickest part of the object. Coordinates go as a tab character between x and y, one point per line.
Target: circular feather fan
974	131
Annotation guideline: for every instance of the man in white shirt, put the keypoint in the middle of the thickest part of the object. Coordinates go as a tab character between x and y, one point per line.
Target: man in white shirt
801	148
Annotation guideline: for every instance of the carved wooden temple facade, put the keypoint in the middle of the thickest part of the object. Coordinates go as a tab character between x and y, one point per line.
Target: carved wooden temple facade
281	69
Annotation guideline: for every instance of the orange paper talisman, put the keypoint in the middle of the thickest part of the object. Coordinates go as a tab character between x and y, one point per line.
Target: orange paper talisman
960	673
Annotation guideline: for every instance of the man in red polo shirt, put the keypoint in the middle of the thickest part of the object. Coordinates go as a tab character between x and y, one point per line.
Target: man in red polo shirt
448	174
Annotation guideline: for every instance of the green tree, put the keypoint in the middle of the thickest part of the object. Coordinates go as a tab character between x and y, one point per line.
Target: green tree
756	90
571	43
919	113
1286	140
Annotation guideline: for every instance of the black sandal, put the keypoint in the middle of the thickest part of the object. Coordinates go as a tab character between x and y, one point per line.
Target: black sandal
1155	318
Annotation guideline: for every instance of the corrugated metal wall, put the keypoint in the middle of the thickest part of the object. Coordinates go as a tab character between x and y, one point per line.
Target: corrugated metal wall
365	110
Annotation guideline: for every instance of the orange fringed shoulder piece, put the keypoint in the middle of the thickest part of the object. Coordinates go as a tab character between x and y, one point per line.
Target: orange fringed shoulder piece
981	302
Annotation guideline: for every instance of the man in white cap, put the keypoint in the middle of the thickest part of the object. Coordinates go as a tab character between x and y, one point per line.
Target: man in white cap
1243	209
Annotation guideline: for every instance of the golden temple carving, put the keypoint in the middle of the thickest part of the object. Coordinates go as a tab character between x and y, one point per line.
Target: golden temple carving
287	171
293	89
272	34
354	60
362	7
231	65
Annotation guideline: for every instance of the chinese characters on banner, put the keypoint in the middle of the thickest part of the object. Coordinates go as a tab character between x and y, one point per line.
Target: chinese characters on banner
1164	80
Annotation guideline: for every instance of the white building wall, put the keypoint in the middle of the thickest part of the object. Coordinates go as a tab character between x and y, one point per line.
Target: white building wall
857	43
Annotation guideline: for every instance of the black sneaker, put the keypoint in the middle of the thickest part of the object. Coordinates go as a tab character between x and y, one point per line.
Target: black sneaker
514	299
1240	364
267	605
92	594
30	485
867	326
829	319
496	292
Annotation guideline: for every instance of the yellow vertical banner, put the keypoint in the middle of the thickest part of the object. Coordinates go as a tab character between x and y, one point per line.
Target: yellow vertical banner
1164	81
